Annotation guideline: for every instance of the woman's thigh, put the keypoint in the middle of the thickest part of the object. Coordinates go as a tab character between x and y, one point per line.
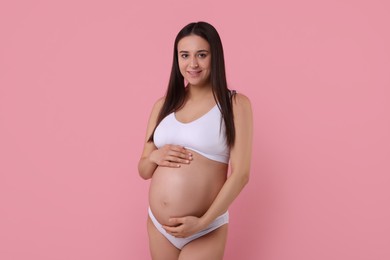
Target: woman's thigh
210	246
160	247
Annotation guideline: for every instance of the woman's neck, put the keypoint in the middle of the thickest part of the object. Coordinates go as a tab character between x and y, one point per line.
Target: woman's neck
195	93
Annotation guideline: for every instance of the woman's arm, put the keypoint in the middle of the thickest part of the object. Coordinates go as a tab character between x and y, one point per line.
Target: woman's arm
145	166
240	159
168	155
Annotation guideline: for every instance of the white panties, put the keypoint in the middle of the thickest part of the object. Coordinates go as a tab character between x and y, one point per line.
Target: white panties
181	242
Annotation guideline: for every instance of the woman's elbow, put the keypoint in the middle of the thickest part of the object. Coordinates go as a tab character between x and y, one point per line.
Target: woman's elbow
143	173
144	176
242	178
245	179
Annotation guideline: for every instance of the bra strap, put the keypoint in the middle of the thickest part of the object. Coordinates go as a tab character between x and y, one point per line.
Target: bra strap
232	93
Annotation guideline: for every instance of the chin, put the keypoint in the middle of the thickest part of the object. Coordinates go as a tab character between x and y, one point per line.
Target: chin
196	82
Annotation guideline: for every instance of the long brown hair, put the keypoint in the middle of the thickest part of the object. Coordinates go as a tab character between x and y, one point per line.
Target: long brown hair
175	95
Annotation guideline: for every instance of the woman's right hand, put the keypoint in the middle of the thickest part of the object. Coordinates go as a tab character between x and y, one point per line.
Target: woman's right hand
171	156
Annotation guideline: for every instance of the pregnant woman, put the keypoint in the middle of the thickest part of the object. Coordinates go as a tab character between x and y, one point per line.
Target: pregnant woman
194	132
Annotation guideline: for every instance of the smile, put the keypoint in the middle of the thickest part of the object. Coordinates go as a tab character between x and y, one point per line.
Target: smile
194	73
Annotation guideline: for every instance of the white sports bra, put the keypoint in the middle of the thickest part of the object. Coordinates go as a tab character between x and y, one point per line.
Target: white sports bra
205	135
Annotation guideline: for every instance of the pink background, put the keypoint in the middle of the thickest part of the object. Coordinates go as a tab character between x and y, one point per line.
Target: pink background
77	83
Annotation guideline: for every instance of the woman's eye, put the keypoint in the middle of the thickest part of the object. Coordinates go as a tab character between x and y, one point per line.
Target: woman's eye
184	56
202	55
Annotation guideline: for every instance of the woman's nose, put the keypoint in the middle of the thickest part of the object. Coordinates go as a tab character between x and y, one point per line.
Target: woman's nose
194	63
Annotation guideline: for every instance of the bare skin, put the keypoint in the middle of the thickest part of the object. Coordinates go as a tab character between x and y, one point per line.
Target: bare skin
188	191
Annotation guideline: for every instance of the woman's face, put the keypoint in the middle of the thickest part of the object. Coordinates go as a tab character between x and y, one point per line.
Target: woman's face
194	59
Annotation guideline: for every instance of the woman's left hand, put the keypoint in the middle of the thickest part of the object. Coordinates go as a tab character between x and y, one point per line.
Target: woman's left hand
184	227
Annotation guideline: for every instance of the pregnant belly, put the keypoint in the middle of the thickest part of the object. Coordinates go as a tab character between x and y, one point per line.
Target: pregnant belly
186	191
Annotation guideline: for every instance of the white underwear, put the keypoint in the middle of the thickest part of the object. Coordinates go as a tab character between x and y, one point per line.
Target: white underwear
181	242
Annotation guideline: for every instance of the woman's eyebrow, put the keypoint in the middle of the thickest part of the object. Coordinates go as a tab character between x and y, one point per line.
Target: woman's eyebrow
196	51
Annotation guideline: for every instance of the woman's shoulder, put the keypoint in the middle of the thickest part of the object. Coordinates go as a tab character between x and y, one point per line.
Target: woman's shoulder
242	110
158	104
240	100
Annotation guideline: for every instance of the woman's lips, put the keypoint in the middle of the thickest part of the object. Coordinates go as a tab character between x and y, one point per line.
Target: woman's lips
194	73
